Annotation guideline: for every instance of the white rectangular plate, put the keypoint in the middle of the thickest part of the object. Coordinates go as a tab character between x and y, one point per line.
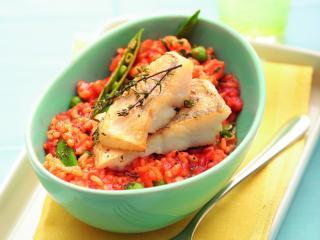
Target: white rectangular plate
21	195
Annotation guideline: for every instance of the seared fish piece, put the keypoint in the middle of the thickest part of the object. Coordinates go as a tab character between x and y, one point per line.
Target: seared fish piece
129	132
195	126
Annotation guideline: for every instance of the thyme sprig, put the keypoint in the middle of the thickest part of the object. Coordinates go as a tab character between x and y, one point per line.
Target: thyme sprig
95	135
142	96
143	76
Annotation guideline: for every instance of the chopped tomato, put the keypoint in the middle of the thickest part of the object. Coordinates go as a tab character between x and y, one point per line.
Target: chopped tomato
215	68
89	91
179	45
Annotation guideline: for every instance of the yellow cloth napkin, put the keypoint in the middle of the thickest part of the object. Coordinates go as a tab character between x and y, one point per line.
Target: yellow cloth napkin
248	211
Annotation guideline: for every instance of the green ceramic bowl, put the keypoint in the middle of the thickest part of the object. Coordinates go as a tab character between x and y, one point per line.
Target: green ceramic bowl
152	208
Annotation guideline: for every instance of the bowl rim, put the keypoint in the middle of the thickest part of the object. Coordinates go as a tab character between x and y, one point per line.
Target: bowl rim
35	162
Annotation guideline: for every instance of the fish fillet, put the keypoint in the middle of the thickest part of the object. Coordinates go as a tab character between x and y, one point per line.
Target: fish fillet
130	132
191	127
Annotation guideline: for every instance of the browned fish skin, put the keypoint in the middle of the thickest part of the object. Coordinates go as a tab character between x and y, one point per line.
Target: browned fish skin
130	132
191	127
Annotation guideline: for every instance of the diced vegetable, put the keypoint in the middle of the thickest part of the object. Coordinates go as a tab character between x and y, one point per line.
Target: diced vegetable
119	75
199	53
227	131
74	101
186	27
134	185
215	68
66	154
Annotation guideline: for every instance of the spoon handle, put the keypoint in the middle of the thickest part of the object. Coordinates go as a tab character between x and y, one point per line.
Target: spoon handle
289	133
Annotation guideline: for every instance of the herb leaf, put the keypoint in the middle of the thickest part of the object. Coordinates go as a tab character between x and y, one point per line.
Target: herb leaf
134	185
188	103
66	154
159	183
227	131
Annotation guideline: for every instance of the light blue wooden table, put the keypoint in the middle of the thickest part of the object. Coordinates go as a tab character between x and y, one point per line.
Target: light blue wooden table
35	43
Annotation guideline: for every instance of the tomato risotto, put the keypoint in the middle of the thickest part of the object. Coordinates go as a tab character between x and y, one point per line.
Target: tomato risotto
76	127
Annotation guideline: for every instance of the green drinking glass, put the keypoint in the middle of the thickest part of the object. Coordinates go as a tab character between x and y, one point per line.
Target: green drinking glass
264	20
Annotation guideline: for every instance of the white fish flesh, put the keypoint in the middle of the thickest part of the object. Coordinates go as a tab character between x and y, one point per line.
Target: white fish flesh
195	126
130	132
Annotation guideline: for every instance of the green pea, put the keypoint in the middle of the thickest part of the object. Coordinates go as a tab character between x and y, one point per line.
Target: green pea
74	101
128	58
134	185
114	86
132	44
122	70
199	53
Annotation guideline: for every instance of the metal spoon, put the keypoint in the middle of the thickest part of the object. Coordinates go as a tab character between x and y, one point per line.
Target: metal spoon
289	133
